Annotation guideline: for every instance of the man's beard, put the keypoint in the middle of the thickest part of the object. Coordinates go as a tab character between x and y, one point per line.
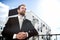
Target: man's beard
23	14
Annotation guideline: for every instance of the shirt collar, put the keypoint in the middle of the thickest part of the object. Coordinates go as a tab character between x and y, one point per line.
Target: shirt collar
20	16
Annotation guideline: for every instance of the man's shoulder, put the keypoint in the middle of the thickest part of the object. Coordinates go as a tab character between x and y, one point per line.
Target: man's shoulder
27	20
12	18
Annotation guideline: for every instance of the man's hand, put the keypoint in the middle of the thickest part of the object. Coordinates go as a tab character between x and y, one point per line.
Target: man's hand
21	35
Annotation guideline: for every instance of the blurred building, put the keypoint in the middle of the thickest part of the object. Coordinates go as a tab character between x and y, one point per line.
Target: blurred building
4	9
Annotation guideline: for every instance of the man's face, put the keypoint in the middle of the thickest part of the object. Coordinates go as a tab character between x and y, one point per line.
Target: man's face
22	10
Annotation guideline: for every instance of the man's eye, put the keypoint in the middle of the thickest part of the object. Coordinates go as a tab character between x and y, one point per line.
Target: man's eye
22	8
25	8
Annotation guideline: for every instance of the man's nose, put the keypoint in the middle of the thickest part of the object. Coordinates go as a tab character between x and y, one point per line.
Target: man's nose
24	10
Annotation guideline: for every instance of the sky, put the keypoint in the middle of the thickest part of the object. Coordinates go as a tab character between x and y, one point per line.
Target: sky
47	10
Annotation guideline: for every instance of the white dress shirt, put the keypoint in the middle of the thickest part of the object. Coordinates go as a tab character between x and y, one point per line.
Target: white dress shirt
20	18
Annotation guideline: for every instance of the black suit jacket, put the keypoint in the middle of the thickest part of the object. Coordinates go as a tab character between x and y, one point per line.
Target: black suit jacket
12	27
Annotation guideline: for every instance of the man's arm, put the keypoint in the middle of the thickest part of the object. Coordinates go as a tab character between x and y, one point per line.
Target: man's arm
6	31
32	31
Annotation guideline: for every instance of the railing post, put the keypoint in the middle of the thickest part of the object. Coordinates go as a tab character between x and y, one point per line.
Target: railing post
56	36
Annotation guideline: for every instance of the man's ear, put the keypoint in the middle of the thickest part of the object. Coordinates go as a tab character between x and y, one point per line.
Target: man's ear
18	10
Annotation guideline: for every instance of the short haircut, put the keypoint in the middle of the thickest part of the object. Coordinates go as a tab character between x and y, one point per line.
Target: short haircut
21	5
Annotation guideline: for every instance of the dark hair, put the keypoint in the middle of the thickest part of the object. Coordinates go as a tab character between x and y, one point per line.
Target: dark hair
20	6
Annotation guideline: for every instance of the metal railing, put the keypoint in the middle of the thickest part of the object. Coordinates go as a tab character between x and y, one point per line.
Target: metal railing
47	37
50	36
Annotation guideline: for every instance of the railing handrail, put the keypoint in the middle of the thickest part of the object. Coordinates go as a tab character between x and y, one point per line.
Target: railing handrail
48	34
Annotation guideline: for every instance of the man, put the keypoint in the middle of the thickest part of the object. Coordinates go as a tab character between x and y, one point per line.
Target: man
19	28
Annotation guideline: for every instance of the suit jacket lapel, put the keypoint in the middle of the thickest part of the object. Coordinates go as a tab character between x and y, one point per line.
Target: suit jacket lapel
23	24
17	22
